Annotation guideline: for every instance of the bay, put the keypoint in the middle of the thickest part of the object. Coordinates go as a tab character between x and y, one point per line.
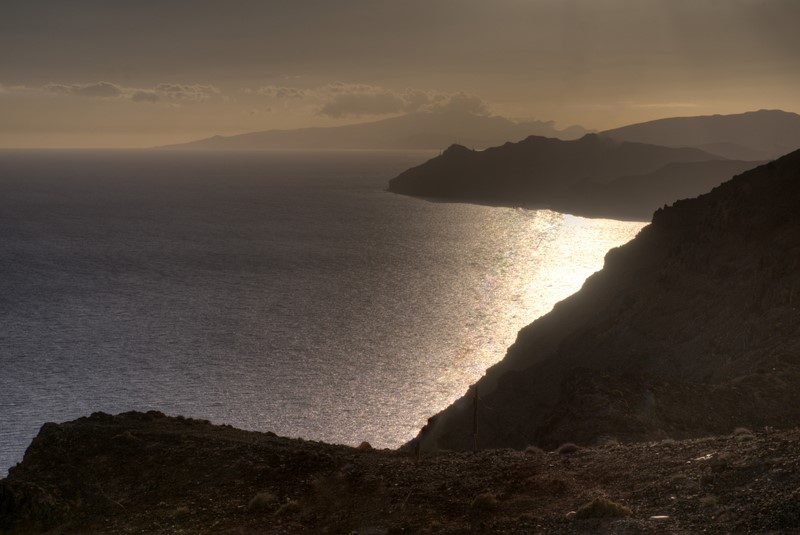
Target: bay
281	291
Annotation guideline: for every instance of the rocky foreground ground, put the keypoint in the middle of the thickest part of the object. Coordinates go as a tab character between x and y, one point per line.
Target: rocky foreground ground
149	473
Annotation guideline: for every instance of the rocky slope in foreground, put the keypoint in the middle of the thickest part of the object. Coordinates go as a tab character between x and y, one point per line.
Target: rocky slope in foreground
690	329
147	473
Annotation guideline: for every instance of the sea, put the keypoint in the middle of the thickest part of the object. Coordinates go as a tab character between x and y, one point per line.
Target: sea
283	291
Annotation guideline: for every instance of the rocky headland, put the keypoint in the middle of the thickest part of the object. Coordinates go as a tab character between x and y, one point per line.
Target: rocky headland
591	176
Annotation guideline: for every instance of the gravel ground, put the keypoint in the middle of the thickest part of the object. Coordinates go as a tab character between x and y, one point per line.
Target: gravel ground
148	473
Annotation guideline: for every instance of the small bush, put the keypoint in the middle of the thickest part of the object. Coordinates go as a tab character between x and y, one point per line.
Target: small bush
534	450
484	502
181	512
526	518
609	442
289	508
568	448
602	507
708	501
126	438
261	501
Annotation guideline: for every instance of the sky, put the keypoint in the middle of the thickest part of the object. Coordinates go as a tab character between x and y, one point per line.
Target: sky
100	73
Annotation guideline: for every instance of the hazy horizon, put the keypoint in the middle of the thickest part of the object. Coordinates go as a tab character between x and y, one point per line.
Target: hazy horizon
99	74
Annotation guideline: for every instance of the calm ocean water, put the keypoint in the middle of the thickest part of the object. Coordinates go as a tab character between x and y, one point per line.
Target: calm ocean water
282	291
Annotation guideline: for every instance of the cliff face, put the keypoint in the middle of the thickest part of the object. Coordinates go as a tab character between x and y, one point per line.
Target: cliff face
583	176
692	328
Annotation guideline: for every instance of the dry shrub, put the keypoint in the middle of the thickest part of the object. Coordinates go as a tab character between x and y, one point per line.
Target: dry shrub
708	501
261	501
602	507
484	502
527	518
534	450
289	508
568	448
126	438
181	512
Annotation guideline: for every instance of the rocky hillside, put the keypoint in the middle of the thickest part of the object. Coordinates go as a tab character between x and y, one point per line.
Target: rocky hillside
637	197
148	473
691	329
547	172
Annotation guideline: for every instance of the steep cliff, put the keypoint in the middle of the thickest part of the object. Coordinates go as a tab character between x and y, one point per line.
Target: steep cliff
692	328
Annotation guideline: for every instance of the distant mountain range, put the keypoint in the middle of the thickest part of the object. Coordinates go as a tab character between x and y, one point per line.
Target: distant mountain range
433	130
690	329
755	135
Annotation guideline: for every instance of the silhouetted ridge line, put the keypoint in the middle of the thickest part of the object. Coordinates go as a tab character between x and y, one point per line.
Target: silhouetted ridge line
421	130
594	175
755	135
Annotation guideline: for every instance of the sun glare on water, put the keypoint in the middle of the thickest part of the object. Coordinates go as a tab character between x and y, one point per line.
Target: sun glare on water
546	257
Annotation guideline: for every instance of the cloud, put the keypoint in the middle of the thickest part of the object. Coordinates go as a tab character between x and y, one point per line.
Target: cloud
99	89
195	92
340	99
363	101
281	92
143	95
460	103
164	91
664	105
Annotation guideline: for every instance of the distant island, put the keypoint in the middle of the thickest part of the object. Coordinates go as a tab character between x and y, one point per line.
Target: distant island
414	131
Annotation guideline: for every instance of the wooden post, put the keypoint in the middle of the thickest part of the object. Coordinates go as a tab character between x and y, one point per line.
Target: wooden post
475	421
